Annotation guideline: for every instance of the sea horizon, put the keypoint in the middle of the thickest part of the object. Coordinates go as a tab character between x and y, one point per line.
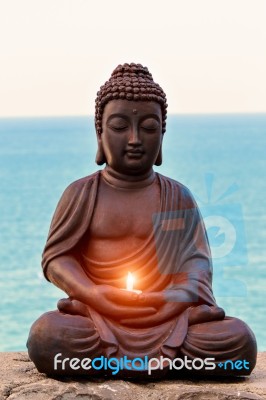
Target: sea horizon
222	113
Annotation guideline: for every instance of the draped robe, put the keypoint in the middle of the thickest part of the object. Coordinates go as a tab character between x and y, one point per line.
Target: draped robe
176	256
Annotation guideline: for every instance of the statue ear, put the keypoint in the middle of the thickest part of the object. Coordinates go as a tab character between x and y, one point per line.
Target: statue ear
159	158
100	158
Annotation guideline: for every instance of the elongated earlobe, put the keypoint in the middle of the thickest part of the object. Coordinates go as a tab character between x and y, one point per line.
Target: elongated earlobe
100	156
159	158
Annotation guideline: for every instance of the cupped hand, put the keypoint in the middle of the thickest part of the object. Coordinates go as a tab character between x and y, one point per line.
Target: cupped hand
119	304
197	314
168	304
163	314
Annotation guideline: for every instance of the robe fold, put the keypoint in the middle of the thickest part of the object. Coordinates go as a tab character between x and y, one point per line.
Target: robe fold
175	256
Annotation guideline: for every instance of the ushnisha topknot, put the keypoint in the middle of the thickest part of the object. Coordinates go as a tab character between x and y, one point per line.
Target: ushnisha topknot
129	82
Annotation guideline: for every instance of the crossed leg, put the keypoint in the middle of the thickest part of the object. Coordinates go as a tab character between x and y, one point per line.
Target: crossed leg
227	341
75	336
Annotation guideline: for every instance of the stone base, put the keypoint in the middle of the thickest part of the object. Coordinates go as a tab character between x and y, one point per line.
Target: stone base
19	380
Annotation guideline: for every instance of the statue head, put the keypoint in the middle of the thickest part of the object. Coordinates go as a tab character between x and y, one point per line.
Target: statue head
130	83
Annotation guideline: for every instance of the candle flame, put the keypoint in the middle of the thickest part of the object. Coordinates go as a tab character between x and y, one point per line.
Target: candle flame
130	281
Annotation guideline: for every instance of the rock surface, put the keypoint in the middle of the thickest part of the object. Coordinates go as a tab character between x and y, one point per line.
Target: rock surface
19	380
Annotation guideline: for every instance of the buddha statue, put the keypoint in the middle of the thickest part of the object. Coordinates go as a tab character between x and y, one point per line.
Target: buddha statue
127	218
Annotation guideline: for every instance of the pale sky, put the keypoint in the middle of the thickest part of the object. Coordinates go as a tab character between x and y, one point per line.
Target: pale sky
208	55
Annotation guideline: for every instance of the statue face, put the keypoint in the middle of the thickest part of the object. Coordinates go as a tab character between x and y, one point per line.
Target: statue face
131	135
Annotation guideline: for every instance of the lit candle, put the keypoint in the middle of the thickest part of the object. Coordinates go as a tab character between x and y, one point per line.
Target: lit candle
130	283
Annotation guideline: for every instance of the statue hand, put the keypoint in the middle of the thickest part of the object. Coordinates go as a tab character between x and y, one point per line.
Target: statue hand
117	303
171	305
109	301
163	314
168	303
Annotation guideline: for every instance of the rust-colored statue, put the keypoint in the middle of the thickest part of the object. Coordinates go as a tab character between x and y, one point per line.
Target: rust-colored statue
127	218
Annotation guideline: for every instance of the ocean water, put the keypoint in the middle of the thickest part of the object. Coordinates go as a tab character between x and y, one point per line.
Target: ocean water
221	158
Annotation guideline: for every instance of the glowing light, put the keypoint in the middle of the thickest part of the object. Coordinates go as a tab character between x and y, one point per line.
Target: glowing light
130	281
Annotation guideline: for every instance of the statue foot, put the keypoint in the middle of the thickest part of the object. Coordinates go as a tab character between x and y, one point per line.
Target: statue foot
204	313
73	307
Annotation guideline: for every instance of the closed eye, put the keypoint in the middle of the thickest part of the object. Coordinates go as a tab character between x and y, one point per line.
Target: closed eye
118	124
118	128
149	128
150	125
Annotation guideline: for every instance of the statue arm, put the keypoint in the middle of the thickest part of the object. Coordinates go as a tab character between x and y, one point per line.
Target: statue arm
67	274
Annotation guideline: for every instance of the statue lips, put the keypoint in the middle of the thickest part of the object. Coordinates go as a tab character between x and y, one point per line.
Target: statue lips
134	153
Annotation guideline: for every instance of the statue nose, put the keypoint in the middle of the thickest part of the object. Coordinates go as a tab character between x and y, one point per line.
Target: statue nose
134	137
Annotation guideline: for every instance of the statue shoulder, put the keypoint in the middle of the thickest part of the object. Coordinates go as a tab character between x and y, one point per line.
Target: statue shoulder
80	188
185	197
79	184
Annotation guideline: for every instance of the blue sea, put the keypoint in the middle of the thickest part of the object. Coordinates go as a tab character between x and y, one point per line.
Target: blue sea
221	158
